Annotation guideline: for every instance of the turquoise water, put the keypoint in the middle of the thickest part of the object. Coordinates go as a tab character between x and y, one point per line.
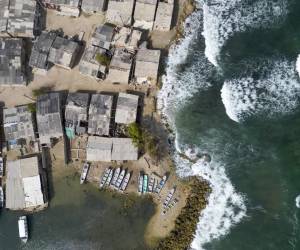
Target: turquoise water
245	112
80	217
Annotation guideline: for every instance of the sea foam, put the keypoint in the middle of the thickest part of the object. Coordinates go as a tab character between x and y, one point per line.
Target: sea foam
225	206
274	92
298	65
224	18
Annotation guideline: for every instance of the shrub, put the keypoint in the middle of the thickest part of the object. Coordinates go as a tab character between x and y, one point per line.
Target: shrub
102	59
31	107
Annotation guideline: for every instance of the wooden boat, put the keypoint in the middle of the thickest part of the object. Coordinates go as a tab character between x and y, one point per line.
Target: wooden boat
145	183
1	197
150	185
1	167
115	177
110	176
141	180
120	179
168	198
161	184
84	173
23	228
104	177
125	182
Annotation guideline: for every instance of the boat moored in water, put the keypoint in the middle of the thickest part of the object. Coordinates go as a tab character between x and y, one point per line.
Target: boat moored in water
84	173
23	228
1	197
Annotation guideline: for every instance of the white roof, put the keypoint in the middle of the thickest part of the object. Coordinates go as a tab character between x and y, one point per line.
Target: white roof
32	191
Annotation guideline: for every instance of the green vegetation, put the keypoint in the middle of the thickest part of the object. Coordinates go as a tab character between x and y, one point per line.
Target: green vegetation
31	107
102	59
144	140
185	225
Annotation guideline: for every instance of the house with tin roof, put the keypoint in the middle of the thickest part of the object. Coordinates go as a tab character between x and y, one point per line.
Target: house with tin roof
76	114
18	126
100	114
120	66
127	106
49	118
144	14
12	62
120	12
63	7
93	6
164	14
103	35
127	38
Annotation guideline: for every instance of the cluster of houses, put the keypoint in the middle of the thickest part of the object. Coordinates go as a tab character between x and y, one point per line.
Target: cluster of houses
94	116
115	52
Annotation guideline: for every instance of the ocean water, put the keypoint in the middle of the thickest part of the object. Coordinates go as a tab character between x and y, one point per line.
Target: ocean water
80	217
232	90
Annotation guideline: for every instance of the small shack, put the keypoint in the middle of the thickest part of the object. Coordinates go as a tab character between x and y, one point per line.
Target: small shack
17	18
103	35
76	114
49	118
146	65
127	38
40	52
100	114
93	6
127	106
144	14
111	149
64	52
24	188
120	12
12	57
94	62
63	7
120	66
164	14
18	126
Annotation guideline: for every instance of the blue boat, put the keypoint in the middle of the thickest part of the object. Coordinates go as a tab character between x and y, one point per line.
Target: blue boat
145	184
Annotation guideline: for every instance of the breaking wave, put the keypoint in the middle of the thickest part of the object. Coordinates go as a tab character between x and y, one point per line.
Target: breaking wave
273	90
225	207
224	18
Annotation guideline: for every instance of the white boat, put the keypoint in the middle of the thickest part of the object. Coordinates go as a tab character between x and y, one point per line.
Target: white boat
141	181
104	177
84	173
150	185
125	181
297	200
115	177
1	197
120	178
168	198
1	167
110	175
23	228
161	184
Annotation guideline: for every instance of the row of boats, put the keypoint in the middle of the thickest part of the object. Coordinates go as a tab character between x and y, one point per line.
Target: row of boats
117	179
170	201
150	185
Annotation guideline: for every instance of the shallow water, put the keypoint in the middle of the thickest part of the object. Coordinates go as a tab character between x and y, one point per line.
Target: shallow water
80	217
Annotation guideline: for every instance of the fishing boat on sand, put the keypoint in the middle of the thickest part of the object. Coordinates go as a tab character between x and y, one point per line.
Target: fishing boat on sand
1	197
115	177
141	180
150	184
104	177
109	177
125	182
120	179
84	173
168	198
145	183
161	184
23	228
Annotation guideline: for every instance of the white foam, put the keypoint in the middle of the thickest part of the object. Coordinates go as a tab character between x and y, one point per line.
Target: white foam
298	65
297	201
224	18
275	92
